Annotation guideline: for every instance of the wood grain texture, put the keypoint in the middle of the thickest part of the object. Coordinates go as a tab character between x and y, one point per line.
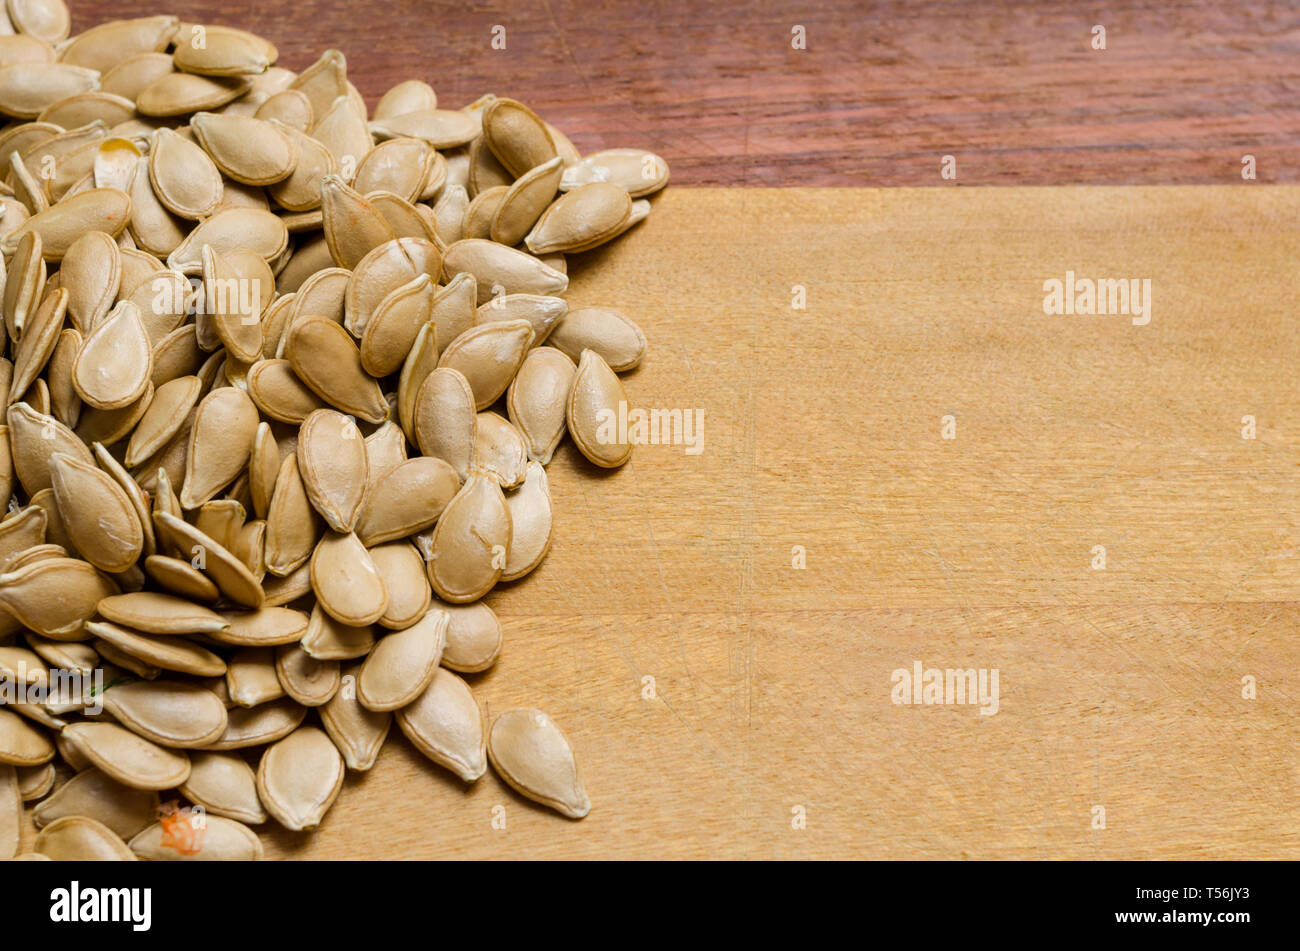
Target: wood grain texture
1119	687
882	92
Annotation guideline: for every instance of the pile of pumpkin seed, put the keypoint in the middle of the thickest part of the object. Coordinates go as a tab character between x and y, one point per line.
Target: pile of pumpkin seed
253	339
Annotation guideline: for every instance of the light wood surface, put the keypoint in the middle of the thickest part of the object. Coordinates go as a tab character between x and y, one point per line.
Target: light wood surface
1119	687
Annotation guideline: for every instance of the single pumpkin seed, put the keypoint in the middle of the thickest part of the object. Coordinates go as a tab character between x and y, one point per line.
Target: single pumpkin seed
163	651
54	597
403	664
179	94
347	583
470	544
499	450
488	356
582	219
97	209
219	446
538	400
324	357
534	757
333	467
594	401
155	613
172	714
525	201
224	785
223	840
446	419
299	777
496	266
184	177
328	639
530	523
516	136
637	171
97	513
130	759
34	782
306	679
474	638
248	150
402	569
407	500
260	725
358	733
265	627
81	839
251	678
292	525
619	341
446	724
91	273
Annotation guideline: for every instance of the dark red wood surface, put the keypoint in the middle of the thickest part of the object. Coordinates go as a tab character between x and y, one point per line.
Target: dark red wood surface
883	91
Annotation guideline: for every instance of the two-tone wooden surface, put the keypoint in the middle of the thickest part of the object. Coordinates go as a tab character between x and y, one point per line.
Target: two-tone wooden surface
1120	688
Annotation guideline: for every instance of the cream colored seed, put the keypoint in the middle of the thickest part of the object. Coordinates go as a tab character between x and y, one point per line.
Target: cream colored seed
446	724
530	753
95	794
299	778
224	840
81	839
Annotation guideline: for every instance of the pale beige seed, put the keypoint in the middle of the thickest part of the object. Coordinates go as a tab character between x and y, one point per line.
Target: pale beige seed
81	839
39	338
247	150
342	130
488	356
34	782
98	209
26	89
153	227
516	136
102	46
407	500
501	270
499	450
486	173
403	664
263	469
222	840
382	271
474	638
539	310
27	189
54	597
97	513
358	733
20	665
406	582
135	495
593	412
450	211
353	227
332	464
306	679
636	171
115	362
482	210
133	75
181	578
322	295
324	357
266	627
282	591
446	419
525	201
440	128
128	662
229	573
530	523
299	778
251	678
391	331
278	392
421	360
385	451
219	446
130	759
81	109
33	438
231	229
235	313
538	400
171	405
328	639
156	613
65	404
221	520
531	753
91	273
185	179
323	81
20	531
470	544
179	94
291	107
222	52
11	812
582	219
347	583
409	96
446	724
260	725
110	425
292	525
301	191
23	283
172	714
166	652
224	785
78	657
618	340
17	48
400	166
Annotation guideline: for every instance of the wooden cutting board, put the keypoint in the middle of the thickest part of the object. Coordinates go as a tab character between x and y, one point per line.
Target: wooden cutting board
769	698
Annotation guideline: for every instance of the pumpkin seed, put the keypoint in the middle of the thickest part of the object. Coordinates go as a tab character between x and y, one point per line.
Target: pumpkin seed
54	597
474	637
328	639
525	201
130	759
179	94
223	840
358	733
163	651
440	128
251	677
470	543
223	52
260	725
97	514
333	467
26	89
540	311
98	209
594	400
497	266
224	785
499	450
489	356
446	418
81	839
299	777
530	524
220	443
392	329
156	613
538	400
34	782
185	179
347	583
308	680
91	274
530	753
619	341
582	219
407	500
171	714
324	357
516	136
446	725
403	664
